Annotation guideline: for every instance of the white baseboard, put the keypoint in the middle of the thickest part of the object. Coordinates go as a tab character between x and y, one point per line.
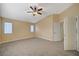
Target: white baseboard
69	48
15	40
23	38
45	38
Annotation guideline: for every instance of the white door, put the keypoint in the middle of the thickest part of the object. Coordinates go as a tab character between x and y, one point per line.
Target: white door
57	34
69	33
77	33
66	33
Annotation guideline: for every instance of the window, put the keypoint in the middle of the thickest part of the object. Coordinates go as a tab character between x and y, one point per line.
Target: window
32	28
7	28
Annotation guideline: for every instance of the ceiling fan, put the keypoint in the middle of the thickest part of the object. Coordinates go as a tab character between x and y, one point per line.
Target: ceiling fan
35	10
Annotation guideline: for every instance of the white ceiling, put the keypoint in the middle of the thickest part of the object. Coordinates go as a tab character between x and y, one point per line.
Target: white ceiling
17	10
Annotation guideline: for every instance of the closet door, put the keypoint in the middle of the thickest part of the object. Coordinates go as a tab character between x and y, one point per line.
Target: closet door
69	33
77	24
66	33
73	32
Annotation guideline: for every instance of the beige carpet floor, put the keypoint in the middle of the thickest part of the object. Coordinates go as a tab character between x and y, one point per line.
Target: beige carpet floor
34	47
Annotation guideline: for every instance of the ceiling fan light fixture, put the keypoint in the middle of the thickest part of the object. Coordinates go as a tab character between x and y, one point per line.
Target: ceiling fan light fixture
35	13
36	10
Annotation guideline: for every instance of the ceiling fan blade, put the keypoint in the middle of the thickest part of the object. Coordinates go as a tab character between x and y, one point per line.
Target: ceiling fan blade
31	7
40	9
29	12
39	13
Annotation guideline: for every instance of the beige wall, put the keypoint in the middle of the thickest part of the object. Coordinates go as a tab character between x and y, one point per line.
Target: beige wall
44	28
20	30
71	11
56	17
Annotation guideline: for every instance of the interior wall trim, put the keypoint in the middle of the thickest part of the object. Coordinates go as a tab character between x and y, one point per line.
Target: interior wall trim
13	40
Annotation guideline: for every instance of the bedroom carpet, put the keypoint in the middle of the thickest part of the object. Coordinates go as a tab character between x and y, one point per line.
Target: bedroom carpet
34	47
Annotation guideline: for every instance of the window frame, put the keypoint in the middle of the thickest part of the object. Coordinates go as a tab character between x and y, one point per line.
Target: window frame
32	28
5	30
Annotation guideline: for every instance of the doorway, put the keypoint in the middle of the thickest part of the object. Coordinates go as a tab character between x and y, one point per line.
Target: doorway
57	36
58	31
62	31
